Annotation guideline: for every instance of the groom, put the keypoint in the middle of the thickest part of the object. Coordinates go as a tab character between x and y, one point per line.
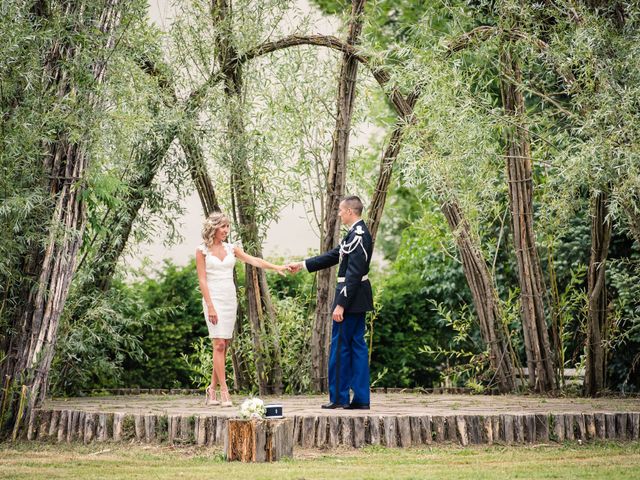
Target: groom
348	356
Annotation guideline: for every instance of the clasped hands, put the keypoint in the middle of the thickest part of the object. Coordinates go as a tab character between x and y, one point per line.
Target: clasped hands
294	267
338	312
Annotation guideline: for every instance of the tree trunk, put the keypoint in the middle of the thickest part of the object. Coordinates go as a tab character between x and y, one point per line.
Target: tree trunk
258	295
336	175
520	179
376	209
594	379
199	174
241	374
485	298
30	345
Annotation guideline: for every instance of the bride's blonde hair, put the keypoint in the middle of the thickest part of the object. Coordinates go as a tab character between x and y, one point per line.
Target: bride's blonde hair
211	225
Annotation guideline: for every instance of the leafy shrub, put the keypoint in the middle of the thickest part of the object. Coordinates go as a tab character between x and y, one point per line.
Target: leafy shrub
171	330
91	350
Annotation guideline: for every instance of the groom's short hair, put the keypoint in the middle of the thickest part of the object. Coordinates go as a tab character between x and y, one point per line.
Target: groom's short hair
354	203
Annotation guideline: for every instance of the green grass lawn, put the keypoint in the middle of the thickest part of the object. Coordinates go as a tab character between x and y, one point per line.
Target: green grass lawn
609	461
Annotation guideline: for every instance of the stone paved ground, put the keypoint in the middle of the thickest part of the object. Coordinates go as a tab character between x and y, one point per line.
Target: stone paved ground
381	404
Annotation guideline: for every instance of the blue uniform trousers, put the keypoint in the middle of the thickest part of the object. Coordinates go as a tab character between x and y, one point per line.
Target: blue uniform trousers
349	360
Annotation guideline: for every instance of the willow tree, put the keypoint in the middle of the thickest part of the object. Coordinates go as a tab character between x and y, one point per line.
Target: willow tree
520	180
72	62
235	44
586	58
335	186
608	22
597	42
450	152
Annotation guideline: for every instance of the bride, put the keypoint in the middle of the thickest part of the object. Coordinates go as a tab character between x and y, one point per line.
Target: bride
215	261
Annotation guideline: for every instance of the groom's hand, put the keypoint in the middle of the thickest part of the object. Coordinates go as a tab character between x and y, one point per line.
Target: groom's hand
338	313
294	267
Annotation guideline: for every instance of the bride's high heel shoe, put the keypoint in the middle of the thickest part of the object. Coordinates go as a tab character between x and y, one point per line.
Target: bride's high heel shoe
209	400
226	398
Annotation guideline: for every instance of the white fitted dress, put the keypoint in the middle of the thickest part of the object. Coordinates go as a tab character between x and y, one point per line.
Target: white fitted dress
222	291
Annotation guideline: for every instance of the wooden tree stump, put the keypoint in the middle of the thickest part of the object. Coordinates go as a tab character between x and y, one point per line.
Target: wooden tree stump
590	425
495	428
610	425
149	428
416	430
259	440
451	432
90	421
172	428
529	428
569	427
404	431
558	428
507	429
322	431
53	426
621	426
462	431
358	432
221	430
438	428
373	436
475	432
346	435
62	425
118	421
518	425
199	430
211	430
426	431
389	431
601	431
542	428
308	432
334	431
73	420
487	429
633	425
581	431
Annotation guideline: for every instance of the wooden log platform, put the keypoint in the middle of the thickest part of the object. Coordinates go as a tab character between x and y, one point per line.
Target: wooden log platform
395	420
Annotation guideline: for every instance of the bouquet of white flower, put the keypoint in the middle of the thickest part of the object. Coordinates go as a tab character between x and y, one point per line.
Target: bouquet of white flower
252	408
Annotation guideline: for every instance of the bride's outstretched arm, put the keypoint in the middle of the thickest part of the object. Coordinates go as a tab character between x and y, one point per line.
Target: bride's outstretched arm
258	262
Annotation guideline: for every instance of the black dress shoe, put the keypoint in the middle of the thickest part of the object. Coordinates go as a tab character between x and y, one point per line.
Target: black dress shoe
332	405
357	406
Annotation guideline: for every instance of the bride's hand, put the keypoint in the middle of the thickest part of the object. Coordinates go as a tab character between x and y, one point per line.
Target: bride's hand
282	270
213	317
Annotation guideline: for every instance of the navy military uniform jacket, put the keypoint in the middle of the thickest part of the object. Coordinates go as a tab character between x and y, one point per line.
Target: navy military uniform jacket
353	291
